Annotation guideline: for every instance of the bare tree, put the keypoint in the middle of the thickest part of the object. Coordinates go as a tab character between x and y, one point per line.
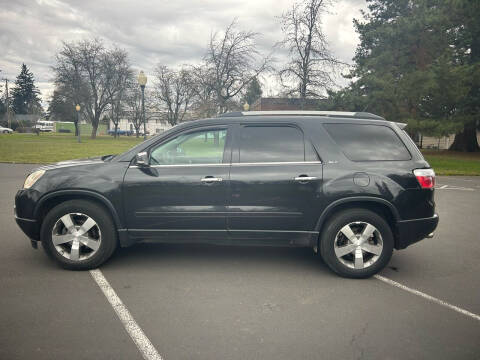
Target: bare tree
133	106
201	84
120	74
311	64
232	61
69	83
84	68
174	92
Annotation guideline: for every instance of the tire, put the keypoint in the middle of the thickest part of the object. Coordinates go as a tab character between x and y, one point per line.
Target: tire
6	131
65	222
370	239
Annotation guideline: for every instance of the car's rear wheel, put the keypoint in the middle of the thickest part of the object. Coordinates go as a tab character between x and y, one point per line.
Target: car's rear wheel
356	243
78	235
6	131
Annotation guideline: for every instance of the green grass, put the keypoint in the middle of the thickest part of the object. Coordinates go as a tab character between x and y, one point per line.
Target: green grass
446	162
52	147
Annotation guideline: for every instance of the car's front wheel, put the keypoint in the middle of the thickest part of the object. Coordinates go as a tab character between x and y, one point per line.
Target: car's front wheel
356	243
78	235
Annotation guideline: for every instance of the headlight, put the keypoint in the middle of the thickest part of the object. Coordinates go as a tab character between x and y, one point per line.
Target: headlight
32	178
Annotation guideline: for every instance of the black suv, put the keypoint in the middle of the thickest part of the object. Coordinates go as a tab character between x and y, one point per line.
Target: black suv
350	185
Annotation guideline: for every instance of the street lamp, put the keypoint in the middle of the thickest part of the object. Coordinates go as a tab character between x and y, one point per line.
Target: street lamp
142	81
78	121
246	106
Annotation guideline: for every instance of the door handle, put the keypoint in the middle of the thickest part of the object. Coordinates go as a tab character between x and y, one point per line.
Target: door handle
302	178
209	179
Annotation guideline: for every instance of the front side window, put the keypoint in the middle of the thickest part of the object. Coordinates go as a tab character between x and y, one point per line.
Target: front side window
271	144
199	147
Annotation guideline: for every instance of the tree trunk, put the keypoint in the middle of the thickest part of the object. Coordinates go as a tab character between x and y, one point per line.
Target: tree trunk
466	140
116	129
95	122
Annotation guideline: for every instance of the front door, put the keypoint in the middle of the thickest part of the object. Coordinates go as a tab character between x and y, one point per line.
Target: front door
182	193
275	186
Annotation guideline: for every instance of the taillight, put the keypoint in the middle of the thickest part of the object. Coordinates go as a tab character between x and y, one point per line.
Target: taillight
425	177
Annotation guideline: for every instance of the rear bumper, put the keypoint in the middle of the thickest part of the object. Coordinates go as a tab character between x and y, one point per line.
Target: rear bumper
412	231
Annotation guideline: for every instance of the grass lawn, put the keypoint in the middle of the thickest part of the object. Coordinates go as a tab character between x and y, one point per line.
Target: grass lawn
52	147
446	162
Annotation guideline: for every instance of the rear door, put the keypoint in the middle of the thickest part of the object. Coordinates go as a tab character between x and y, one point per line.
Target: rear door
275	185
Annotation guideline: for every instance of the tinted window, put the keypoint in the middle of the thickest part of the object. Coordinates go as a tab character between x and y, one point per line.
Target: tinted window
200	147
271	144
368	142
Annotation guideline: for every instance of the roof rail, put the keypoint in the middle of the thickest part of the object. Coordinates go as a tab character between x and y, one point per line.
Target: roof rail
337	114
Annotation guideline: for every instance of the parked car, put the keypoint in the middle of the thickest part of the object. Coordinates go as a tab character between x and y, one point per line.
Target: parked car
352	186
5	130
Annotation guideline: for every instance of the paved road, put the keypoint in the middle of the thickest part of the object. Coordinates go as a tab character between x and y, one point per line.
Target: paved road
205	302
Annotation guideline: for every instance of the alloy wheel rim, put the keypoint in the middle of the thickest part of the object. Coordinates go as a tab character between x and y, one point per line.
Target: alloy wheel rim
358	245
76	236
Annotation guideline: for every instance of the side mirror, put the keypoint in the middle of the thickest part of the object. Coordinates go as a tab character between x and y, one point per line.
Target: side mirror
142	159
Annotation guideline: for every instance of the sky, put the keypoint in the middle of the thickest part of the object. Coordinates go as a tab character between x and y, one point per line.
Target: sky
153	32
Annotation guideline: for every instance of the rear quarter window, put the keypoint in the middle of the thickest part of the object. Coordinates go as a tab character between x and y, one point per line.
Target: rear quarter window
365	142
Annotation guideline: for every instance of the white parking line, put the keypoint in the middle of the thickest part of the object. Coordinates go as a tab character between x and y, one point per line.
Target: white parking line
428	297
144	345
451	187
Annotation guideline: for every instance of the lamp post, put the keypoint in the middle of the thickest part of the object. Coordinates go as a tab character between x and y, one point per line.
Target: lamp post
78	121
142	81
246	106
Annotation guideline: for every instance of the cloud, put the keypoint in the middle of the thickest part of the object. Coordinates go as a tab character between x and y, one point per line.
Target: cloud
152	31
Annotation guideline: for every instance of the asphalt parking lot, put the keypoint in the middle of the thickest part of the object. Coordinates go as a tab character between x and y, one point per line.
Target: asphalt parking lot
206	302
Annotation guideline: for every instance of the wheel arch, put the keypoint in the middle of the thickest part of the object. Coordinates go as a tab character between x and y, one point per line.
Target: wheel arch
50	200
378	205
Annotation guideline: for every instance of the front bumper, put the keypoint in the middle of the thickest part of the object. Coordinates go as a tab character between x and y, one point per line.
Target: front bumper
412	231
29	227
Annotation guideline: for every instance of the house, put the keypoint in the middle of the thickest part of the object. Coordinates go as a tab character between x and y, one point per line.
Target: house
156	123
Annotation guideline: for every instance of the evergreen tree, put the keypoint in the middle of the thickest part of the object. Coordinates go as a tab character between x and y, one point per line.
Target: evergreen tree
25	95
253	92
416	64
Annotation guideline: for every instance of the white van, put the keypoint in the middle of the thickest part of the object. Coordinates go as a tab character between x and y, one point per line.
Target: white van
43	125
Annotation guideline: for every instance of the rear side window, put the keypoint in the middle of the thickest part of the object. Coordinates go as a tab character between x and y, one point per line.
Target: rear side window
362	142
271	144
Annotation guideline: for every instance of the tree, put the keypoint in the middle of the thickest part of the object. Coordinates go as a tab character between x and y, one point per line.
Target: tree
133	105
25	94
85	68
414	65
120	74
253	92
204	99
174	92
311	66
62	107
464	29
232	62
